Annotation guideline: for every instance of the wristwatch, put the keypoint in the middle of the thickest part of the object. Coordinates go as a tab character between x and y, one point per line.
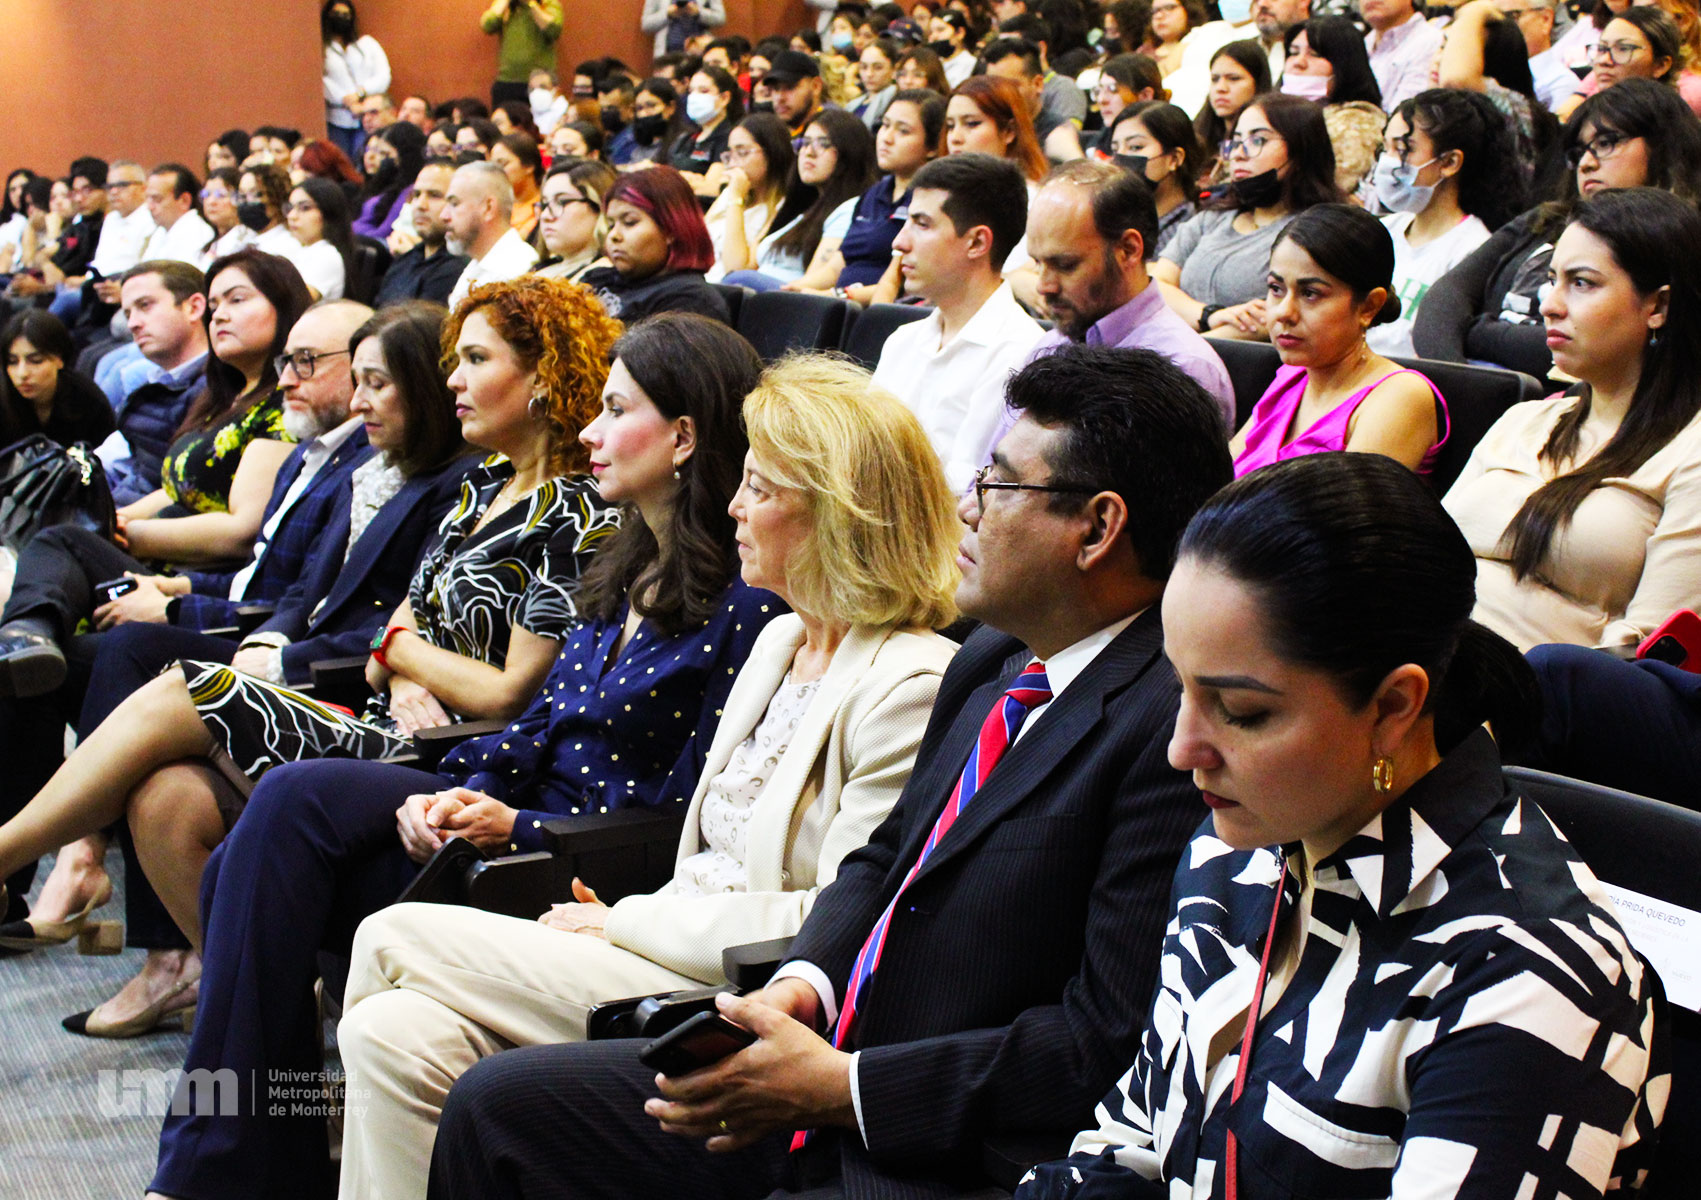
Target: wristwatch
1205	315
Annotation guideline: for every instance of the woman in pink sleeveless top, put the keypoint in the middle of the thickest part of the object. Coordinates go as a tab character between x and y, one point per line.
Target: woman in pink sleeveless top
1331	279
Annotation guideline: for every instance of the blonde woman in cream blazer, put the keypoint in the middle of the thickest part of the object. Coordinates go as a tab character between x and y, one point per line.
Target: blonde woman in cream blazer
845	514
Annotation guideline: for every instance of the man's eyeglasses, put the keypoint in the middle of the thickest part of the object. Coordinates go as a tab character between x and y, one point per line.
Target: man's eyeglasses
1251	144
118	185
1602	146
558	207
983	485
305	362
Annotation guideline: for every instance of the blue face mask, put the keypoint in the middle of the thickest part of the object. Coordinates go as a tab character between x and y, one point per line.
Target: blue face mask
1397	186
843	42
1235	12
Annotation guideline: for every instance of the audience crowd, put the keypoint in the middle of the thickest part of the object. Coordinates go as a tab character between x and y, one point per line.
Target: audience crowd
1173	459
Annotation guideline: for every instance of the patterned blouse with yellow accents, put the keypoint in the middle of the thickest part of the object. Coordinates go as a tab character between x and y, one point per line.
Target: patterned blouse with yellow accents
201	464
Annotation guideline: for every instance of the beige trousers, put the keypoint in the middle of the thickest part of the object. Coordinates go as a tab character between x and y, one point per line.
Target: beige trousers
434	988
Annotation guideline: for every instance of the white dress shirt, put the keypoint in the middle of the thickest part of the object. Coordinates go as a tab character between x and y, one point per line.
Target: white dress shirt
317	454
121	242
1061	670
508	259
956	388
186	241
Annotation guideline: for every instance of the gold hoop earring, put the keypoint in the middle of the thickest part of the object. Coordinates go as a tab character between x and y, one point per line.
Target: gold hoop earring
1382	775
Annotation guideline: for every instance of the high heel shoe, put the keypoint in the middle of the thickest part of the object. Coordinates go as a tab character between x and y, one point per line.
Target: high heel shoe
93	937
169	1011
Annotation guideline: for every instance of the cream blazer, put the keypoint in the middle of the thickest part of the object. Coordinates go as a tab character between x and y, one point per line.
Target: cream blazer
838	779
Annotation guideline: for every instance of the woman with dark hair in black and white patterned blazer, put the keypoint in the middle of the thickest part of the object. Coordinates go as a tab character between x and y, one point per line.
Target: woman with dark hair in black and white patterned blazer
1385	974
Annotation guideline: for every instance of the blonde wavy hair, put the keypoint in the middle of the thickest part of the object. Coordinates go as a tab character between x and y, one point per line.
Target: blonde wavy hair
559	330
883	526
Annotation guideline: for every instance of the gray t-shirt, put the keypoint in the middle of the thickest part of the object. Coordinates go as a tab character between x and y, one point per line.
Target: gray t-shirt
1219	265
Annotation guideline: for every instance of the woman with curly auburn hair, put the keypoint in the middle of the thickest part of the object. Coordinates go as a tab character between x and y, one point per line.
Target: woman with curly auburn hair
845	514
623	719
488	607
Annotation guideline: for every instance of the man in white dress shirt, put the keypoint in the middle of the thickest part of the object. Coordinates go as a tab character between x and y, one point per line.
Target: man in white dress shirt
966	212
180	232
478	213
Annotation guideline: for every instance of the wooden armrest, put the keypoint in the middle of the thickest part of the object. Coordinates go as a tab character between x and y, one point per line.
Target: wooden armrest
430	745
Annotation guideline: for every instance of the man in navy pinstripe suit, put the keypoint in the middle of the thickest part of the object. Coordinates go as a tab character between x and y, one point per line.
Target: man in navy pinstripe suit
1017	961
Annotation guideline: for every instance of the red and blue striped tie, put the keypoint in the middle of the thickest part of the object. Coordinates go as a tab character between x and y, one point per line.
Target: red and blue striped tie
1030	690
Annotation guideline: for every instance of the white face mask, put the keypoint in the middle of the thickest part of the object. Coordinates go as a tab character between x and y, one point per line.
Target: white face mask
699	106
542	98
1308	87
1397	186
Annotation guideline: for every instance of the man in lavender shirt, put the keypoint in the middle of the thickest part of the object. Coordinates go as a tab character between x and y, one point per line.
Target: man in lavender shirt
1090	228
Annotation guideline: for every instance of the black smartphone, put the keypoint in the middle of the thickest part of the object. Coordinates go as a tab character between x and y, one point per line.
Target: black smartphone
706	1038
109	590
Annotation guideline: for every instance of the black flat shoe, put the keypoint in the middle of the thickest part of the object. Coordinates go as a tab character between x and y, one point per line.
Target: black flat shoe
31	664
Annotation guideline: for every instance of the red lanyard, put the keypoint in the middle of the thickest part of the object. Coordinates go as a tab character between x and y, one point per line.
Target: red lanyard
1230	1191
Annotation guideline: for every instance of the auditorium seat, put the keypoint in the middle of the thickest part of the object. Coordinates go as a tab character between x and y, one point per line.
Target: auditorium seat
366	269
777	323
1476	396
873	325
734	297
1650	847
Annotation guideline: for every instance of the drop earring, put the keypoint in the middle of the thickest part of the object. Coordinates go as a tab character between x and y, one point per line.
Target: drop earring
535	406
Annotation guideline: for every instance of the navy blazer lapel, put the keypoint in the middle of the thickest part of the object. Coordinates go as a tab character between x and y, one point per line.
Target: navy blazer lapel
940	777
1067	720
369	548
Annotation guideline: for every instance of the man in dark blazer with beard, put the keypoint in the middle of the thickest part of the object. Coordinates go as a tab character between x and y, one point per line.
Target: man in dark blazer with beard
983	966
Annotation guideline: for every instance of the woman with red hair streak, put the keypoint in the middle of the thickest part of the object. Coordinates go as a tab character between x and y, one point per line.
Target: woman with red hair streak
658	248
318	158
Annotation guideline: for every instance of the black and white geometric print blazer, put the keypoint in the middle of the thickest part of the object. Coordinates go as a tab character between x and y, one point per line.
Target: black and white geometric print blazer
1466	1020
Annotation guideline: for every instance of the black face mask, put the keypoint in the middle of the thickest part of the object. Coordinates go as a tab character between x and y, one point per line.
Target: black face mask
648	129
252	213
1133	163
1111	47
611	120
385	175
766	106
942	49
1257	191
340	25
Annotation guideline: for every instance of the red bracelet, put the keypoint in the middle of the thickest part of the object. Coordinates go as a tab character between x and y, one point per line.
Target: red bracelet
381	646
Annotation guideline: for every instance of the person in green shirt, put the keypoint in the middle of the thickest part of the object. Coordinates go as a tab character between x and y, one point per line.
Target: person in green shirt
528	29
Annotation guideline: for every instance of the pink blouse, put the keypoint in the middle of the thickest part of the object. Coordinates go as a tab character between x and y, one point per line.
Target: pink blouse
1273	416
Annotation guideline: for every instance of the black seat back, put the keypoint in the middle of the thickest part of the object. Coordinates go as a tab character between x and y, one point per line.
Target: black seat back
734	297
873	325
1476	398
777	323
366	269
1653	848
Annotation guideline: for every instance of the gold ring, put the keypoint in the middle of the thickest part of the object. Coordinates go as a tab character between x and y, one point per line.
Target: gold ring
725	1128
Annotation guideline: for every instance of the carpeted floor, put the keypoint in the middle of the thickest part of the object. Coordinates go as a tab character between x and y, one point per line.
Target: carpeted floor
82	1114
80	1117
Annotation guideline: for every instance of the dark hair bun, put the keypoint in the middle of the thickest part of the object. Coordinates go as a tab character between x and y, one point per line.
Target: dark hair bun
1390	310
